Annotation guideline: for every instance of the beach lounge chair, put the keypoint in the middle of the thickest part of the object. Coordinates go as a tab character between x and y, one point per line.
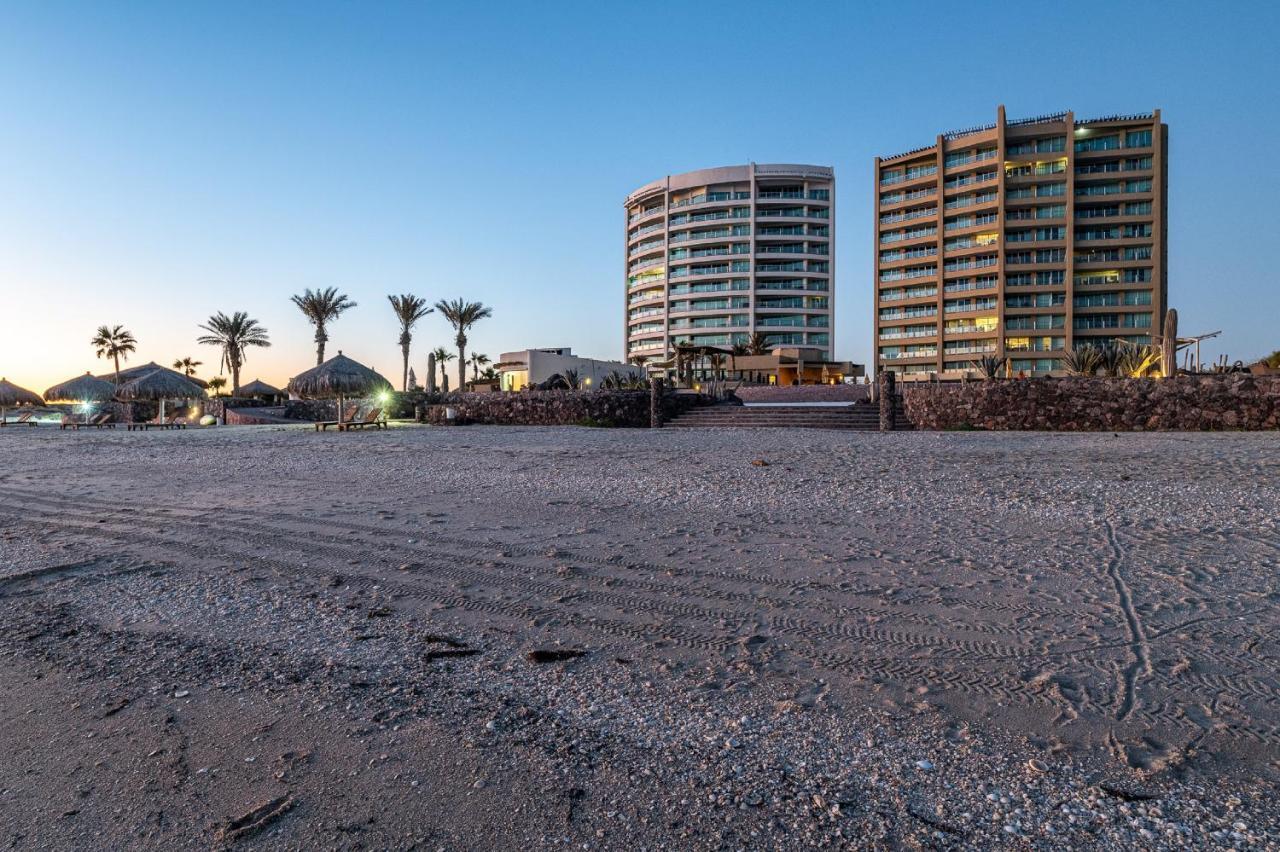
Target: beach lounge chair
26	418
373	418
98	421
348	416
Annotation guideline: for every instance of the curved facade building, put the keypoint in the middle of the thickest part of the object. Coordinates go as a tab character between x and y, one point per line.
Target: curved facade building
716	255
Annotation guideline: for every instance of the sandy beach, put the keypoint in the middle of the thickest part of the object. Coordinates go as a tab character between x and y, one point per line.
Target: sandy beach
521	638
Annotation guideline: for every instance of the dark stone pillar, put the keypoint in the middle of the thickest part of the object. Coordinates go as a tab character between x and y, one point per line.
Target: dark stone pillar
655	404
886	400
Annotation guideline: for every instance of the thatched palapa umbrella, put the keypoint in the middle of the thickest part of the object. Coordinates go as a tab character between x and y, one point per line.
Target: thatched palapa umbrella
258	387
81	389
11	395
338	377
160	385
138	372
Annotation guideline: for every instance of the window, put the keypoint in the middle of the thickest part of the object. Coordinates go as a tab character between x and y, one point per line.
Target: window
1051	211
1035	300
1098	233
1137	276
1112	321
1034	344
1051	277
1138	208
1034	365
1055	233
1137	186
1098	143
1137	139
1042	321
1134	231
1137	253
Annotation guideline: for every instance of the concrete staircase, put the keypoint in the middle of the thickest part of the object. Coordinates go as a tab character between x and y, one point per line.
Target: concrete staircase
861	416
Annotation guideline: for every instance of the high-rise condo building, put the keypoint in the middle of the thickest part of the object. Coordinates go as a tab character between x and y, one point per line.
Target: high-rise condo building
1023	238
715	255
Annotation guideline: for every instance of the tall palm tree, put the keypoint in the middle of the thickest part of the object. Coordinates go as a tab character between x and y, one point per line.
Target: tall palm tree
322	307
462	314
187	365
477	360
216	384
113	342
757	344
443	357
409	309
234	334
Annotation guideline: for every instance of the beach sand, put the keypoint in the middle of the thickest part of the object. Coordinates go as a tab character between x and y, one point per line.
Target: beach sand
518	638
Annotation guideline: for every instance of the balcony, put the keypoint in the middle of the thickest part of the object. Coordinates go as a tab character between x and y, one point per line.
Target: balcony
644	214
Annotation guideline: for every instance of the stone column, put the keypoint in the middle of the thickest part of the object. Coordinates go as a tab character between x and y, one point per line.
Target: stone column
886	400
655	403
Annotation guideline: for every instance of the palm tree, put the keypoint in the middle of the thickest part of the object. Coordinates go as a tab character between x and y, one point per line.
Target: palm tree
409	309
216	384
757	344
322	307
234	334
443	357
113	342
477	360
462	314
187	365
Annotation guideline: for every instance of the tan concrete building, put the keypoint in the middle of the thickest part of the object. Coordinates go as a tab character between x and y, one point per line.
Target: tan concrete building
1022	238
518	370
715	255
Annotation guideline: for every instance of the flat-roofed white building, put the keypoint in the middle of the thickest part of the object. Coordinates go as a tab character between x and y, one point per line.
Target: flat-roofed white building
534	366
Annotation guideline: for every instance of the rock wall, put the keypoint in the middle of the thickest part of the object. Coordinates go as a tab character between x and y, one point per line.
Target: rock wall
557	408
1186	403
217	406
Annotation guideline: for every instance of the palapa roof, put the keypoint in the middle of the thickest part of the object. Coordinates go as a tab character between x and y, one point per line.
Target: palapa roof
131	373
258	387
11	394
160	384
81	389
339	376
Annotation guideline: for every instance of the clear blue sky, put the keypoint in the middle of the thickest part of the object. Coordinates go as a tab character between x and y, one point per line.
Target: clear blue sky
162	161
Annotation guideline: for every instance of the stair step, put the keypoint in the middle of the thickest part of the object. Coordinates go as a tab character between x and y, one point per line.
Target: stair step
858	417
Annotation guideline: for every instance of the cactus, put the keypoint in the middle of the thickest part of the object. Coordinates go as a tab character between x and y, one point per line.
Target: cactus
1169	359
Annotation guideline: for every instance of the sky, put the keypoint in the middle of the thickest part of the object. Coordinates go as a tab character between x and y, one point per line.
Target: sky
160	162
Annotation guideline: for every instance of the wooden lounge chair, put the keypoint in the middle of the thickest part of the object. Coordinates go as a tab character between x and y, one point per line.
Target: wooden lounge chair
370	419
98	421
348	416
26	418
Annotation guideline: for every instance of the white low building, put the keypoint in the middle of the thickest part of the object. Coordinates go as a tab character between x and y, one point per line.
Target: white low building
534	366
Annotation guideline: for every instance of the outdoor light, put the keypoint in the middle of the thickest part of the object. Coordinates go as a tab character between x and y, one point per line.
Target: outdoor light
384	397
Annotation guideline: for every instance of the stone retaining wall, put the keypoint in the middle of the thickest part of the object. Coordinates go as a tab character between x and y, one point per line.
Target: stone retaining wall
557	408
1186	403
